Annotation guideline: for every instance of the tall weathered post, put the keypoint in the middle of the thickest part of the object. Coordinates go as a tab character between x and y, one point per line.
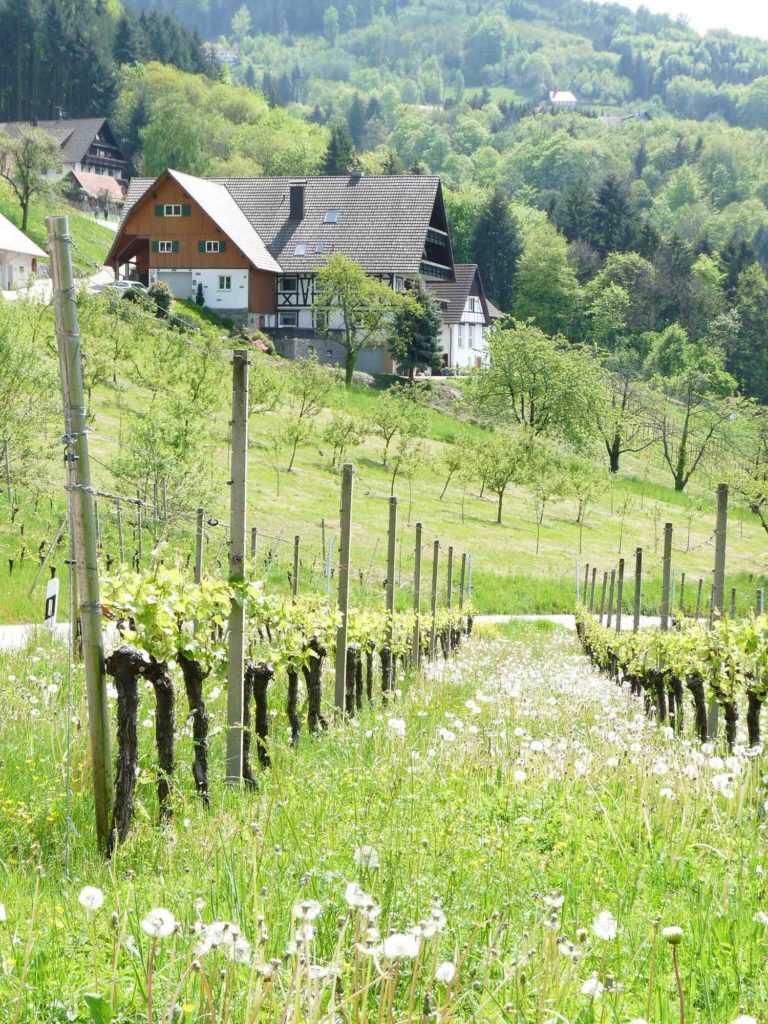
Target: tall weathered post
449	595
82	519
391	558
345	551
238	505
435	577
602	597
416	644
610	599
721	530
296	566
199	538
619	594
682	595
638	589
592	590
666	576
699	590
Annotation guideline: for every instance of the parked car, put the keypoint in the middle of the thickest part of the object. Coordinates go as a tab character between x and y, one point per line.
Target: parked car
123	286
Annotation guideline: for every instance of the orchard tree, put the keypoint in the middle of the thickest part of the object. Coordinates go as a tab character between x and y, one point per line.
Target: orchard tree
537	383
26	162
586	483
622	412
697	406
416	328
309	388
501	463
355	306
343	433
398	413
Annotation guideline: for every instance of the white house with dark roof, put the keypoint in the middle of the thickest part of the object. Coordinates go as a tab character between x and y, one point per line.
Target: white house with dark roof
467	316
87	144
563	99
254	246
18	257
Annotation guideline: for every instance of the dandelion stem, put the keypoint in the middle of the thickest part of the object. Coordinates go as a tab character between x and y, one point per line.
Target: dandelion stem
150	973
679	985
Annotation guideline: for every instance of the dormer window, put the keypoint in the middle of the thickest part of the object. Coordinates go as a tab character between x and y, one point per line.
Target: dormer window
331	217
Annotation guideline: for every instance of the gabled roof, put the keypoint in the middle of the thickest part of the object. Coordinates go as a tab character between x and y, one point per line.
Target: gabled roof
382	219
13	240
214	199
96	184
566	96
75	135
453	295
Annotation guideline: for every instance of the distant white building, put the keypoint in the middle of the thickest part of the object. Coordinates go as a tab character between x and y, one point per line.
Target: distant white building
18	257
562	99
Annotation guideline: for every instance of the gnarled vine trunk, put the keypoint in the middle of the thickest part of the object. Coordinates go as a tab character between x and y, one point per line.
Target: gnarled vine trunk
258	675
292	706
194	677
313	676
165	697
125	665
696	685
351	674
754	706
676	710
385	657
359	680
731	715
369	651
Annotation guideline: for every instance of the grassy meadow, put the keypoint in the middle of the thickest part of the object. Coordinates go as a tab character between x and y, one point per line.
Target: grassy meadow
506	841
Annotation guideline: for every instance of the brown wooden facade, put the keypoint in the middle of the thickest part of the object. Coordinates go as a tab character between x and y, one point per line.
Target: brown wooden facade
145	227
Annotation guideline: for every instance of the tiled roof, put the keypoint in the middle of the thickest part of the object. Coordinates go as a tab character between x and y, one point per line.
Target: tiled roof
75	135
96	184
13	240
382	219
454	294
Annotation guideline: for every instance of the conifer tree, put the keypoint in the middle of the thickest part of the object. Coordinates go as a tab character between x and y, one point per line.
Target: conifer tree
341	155
416	327
496	248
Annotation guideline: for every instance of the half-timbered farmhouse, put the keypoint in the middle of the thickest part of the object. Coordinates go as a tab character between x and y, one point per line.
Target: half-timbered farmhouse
250	247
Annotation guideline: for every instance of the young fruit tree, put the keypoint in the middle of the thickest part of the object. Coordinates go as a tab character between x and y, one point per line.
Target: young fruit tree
26	162
355	307
399	412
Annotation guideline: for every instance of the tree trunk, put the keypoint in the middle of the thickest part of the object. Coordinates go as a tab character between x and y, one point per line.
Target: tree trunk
165	696
614	453
263	674
350	361
292	706
499	508
25	220
448	480
125	665
194	677
676	713
248	776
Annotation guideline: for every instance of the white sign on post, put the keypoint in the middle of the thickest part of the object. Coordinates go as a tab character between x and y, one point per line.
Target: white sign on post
51	602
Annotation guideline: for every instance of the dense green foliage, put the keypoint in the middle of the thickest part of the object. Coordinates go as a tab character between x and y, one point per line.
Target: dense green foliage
62	56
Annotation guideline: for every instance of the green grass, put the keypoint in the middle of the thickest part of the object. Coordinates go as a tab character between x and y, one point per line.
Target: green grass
526	797
91	240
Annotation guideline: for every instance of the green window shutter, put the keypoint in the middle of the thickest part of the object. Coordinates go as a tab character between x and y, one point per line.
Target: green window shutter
174	246
186	210
201	246
222	246
155	247
159	210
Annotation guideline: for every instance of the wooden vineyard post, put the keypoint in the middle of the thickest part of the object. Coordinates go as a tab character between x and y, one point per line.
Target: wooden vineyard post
638	589
592	590
682	595
698	599
602	597
238	505
619	594
733	602
7	461
449	595
721	530
254	541
345	549
435	571
586	582
199	546
666	575
760	603
416	645
610	599
391	559
462	581
296	566
82	519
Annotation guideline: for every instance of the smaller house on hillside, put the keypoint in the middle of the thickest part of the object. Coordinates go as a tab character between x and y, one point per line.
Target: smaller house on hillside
98	194
467	316
19	257
563	100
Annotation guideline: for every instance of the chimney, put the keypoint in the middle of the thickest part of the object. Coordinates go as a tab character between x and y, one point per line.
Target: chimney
296	200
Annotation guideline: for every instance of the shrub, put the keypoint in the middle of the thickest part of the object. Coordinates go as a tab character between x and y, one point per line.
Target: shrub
162	297
200	296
